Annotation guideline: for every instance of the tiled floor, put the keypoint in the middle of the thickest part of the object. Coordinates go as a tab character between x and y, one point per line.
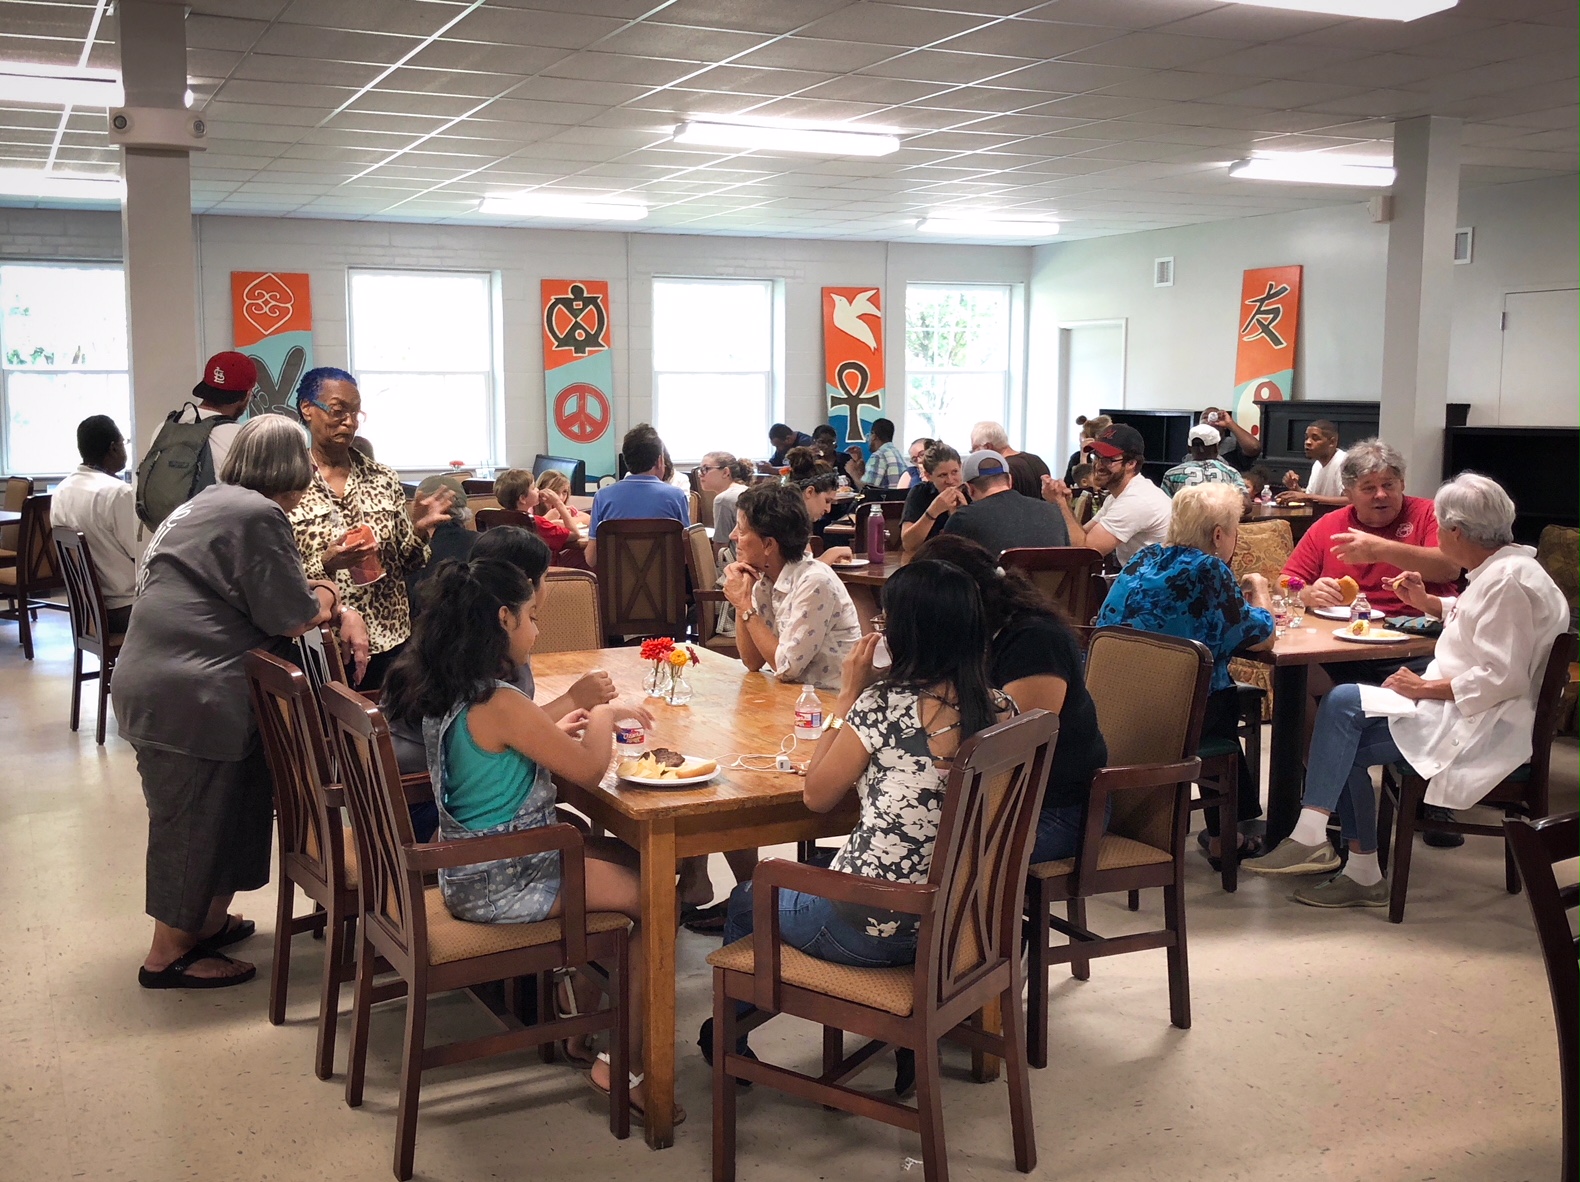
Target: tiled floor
1326	1045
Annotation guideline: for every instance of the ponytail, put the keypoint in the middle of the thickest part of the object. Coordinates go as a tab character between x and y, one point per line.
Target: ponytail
458	648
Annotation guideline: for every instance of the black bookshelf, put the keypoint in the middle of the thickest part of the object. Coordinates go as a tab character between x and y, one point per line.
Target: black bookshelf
1536	465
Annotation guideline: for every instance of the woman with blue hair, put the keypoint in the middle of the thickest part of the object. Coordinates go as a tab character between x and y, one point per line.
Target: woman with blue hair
353	526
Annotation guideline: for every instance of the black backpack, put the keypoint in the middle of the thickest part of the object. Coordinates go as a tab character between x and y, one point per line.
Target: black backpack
177	467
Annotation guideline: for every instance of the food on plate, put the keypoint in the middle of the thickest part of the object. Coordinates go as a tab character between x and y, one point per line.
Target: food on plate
657	765
1360	627
1348	589
667	757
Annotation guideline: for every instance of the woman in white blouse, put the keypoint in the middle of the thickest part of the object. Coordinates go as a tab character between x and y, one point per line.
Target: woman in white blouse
792	613
1464	726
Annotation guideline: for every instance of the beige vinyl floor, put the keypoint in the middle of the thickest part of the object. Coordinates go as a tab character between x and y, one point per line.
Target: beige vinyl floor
1326	1046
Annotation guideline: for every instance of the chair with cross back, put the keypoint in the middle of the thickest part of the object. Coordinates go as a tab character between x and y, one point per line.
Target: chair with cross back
642	578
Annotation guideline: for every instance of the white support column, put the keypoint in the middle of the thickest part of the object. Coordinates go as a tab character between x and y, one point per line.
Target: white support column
1419	304
156	223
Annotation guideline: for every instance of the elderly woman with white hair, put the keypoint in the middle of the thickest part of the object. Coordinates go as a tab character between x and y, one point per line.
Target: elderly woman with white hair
221	576
1186	588
1463	726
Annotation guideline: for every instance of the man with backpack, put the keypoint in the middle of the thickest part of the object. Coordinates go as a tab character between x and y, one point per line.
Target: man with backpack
190	449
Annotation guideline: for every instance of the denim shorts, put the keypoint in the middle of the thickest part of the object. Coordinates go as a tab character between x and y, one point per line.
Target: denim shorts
822	929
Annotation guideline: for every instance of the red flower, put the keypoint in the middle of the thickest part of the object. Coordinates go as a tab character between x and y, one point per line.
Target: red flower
695	660
657	648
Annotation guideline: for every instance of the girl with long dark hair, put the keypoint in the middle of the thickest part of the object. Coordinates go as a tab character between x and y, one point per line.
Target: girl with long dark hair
493	756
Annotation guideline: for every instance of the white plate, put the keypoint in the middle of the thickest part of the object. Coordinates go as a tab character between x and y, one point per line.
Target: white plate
1375	636
680	783
851	564
1339	613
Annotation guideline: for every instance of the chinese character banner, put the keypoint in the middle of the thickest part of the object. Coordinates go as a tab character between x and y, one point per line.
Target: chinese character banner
1269	322
271	321
853	361
578	373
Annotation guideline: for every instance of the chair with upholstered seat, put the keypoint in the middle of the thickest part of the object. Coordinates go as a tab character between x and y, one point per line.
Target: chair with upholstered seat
642	577
433	952
17	490
1261	547
34	574
1151	692
968	958
90	623
1538	846
1068	575
1522	793
568	617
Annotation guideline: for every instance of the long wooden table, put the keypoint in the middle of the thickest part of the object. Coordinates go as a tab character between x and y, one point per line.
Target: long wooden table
865	584
1291	656
1300	517
731	712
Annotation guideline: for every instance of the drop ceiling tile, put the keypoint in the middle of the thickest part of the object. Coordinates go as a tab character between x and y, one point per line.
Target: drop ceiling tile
547	30
1159	51
933	65
1389	36
755	80
274	67
280	94
799	110
680	42
1133	14
1495	44
1063	77
456	54
1284	95
813	53
619	67
412	20
1031	38
782	16
1248	22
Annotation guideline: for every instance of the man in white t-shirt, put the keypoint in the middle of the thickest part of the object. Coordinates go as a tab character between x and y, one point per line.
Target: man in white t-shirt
95	502
1325	485
1136	513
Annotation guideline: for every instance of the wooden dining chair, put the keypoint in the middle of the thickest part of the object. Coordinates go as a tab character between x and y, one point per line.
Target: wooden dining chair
1537	846
432	952
1261	547
90	626
702	562
34	575
488	518
568	617
314	851
642	577
17	490
1151	692
475	486
1522	793
1068	575
968	958
1218	784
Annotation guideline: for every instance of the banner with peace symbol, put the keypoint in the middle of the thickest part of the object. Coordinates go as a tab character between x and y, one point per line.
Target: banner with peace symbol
271	315
578	372
853	362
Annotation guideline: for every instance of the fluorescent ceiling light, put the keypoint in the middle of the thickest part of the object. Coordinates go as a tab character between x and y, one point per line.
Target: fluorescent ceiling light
1314	168
59	86
67	186
985	226
778	137
1385	10
562	208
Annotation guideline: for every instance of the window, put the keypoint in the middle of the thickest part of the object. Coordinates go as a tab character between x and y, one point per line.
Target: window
62	358
422	347
713	365
957	359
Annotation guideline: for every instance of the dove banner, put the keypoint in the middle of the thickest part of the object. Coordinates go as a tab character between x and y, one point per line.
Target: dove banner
272	322
578	373
853	361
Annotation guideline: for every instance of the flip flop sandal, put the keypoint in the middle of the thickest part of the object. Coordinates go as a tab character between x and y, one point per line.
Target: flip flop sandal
705	921
175	976
565	1004
633	1081
234	932
1251	847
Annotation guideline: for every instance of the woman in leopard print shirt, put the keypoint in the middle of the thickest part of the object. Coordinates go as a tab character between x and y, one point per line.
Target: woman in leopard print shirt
348	489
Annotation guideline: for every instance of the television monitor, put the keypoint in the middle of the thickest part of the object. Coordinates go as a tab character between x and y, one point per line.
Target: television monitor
575	470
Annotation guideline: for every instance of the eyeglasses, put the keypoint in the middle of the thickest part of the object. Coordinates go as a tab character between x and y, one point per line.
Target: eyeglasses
338	415
1109	461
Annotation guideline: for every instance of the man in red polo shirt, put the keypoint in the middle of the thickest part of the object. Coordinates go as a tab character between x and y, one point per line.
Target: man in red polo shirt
1379	535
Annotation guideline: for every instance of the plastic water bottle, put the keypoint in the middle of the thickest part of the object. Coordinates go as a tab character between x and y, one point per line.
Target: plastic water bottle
1361	609
808	714
630	738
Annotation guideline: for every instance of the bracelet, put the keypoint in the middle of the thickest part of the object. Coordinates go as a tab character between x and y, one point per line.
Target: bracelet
834	723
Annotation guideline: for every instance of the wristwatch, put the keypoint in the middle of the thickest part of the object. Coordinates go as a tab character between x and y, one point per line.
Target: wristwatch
747	615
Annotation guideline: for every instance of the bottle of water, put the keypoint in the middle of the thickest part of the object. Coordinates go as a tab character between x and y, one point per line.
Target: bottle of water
808	714
1361	609
630	737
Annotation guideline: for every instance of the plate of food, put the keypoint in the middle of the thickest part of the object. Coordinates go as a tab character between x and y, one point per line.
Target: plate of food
1341	613
851	563
663	768
1365	632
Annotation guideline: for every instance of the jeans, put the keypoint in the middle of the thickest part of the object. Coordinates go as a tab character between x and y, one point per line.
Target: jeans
1345	746
1059	832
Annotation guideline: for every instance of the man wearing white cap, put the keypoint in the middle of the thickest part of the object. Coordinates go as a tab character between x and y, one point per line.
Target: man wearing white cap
998	517
1204	466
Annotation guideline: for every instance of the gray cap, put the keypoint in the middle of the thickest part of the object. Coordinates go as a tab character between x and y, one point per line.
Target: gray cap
981	464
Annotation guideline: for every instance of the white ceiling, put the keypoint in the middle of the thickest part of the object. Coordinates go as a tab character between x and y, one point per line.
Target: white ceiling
1111	115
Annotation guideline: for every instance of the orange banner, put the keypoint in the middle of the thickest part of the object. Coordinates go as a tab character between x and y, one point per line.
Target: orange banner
265	304
853	360
1269	321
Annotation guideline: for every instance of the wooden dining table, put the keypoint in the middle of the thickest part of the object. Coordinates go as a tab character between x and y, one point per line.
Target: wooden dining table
1300	517
731	713
1291	657
865	584
10	516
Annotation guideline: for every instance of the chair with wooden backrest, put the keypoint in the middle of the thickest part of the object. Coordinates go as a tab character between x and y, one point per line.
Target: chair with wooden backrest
1520	794
892	512
17	490
474	486
642	577
694	507
1538	846
315	853
34	574
1151	692
90	628
568	617
489	518
433	952
968	958
703	564
1558	550
1068	575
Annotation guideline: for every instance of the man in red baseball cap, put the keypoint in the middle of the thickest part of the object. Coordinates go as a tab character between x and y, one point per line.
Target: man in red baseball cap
223	392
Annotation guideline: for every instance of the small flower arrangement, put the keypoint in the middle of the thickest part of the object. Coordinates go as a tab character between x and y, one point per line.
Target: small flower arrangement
670	660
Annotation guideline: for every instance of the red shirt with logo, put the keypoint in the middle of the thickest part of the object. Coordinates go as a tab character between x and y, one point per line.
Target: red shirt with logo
1314	559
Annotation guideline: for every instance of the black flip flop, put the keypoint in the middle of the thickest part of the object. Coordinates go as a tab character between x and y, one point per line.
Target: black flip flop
1252	847
174	975
231	933
705	921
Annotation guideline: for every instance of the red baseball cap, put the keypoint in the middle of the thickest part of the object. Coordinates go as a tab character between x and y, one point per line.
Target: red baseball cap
233	372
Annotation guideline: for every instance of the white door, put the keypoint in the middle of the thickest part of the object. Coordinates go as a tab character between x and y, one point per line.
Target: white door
1091	374
1541	359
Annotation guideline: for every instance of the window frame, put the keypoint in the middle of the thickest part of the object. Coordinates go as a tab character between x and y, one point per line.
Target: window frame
493	410
6	370
1011	412
774	384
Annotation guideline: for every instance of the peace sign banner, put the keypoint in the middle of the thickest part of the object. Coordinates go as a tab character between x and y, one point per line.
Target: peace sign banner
853	362
578	373
271	320
1269	324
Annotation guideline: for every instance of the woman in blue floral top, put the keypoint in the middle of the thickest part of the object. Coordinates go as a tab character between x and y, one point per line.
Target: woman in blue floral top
1185	588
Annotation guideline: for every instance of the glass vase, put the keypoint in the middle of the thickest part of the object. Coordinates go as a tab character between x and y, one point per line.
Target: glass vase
655	683
678	692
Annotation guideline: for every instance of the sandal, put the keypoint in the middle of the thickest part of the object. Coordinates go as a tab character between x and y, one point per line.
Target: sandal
633	1081
233	932
1251	846
705	921
175	976
565	1005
